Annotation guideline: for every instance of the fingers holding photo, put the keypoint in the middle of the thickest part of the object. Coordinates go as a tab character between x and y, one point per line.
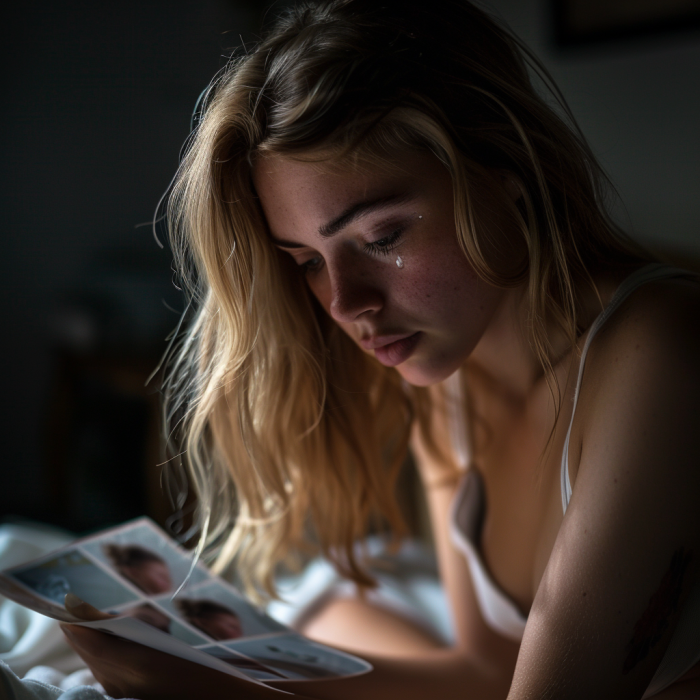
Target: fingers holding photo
129	669
83	610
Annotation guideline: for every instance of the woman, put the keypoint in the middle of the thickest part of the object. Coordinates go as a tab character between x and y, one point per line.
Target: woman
389	234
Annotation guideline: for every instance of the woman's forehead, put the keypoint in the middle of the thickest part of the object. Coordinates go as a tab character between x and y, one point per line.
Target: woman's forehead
298	195
359	164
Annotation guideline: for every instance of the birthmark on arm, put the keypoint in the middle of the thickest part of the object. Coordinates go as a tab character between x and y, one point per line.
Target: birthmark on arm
656	618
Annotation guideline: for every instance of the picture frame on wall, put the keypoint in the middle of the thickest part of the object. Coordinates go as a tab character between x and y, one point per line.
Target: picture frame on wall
581	22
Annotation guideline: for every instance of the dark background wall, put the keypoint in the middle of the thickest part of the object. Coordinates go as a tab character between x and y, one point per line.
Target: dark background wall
97	103
637	98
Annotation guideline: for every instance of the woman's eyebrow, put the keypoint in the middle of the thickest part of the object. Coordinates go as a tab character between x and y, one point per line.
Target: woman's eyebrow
352	213
360	209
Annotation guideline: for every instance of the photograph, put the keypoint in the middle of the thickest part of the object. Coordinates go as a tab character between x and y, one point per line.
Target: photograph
244	664
220	613
216	620
19	594
148	614
298	658
72	572
145	557
156	617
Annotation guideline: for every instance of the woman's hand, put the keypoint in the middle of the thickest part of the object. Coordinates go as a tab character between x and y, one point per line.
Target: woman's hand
131	670
83	610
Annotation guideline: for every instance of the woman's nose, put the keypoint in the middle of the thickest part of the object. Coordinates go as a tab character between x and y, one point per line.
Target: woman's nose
354	292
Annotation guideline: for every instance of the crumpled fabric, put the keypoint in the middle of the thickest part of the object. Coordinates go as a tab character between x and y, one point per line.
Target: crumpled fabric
34	686
407	585
36	663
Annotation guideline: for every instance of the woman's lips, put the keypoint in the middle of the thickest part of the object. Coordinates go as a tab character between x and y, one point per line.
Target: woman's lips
399	351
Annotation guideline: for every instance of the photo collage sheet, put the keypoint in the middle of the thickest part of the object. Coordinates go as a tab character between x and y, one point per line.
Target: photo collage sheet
133	571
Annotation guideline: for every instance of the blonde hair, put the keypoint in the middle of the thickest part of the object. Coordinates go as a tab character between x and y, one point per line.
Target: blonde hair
290	432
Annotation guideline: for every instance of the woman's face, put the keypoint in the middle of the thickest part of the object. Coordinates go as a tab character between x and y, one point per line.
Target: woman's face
379	251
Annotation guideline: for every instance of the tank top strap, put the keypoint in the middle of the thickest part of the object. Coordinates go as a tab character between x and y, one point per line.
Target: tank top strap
648	273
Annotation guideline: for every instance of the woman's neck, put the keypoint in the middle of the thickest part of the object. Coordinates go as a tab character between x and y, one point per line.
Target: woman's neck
505	354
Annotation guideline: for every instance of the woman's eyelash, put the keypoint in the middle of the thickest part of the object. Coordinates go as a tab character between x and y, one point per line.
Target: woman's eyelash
381	247
385	244
312	265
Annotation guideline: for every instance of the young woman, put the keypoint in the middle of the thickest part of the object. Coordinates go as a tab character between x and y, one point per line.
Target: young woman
392	231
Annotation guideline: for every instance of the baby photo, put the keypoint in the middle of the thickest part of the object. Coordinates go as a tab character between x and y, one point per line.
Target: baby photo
72	572
217	611
298	658
19	594
155	617
143	556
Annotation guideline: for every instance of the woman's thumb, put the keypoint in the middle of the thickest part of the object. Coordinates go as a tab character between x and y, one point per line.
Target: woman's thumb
83	610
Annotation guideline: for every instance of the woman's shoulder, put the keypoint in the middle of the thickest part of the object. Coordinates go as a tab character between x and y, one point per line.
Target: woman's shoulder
633	512
659	319
642	375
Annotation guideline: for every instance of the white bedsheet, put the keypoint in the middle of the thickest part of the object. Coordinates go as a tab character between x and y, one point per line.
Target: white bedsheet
36	663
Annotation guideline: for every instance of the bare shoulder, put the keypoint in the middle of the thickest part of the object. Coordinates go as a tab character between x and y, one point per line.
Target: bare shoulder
642	383
633	512
655	334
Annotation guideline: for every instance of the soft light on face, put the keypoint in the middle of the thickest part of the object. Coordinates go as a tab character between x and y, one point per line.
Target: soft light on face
380	252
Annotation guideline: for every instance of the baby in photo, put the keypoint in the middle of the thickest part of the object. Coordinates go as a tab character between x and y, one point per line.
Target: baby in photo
144	568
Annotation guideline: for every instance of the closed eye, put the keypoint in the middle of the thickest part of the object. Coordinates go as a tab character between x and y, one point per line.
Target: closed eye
384	245
308	266
312	265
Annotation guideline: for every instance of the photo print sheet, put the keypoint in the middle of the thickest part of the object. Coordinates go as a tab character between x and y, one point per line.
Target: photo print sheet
134	571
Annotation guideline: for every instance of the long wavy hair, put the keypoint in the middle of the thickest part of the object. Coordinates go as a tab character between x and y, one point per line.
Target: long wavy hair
293	435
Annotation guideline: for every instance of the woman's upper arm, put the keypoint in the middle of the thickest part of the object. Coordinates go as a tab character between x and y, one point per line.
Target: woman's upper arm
628	551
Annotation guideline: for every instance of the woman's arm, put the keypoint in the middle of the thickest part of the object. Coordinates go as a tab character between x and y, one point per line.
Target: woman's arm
480	666
628	551
127	669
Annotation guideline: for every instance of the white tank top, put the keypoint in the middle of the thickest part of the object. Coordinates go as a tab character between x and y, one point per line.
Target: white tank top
468	509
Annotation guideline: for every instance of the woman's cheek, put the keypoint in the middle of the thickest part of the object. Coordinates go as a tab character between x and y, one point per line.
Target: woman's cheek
320	287
423	283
